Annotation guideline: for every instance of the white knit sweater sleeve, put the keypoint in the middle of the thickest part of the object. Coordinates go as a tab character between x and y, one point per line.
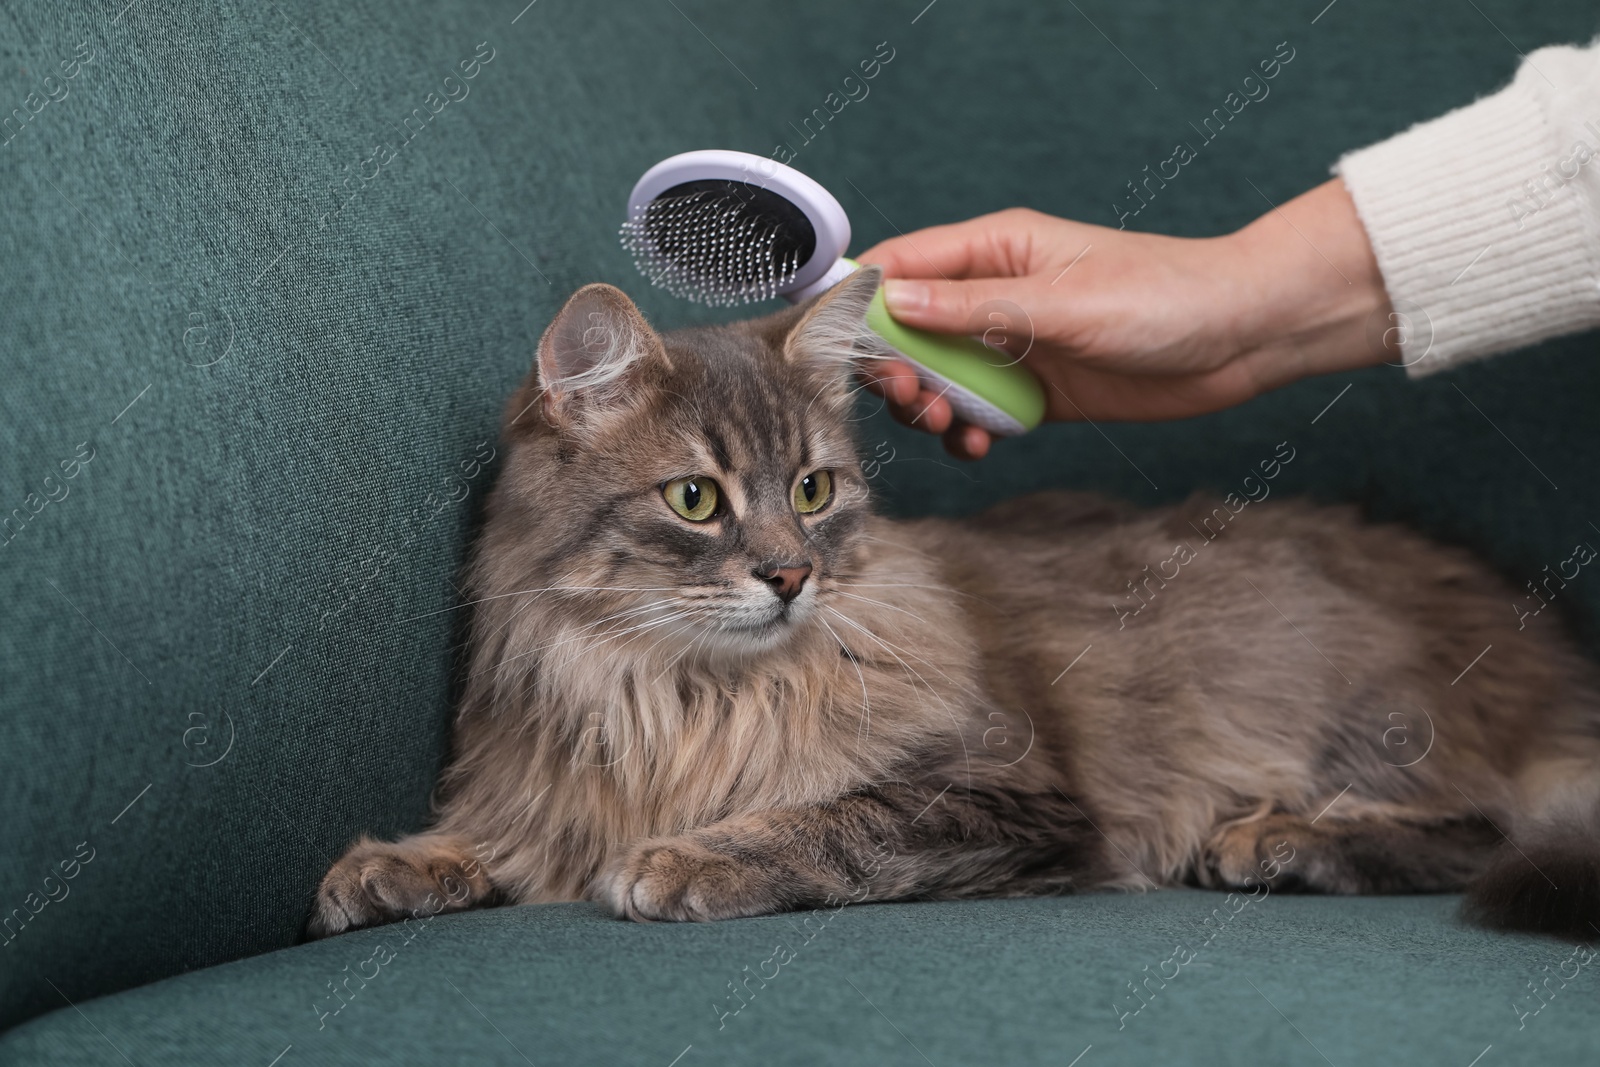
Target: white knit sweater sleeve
1486	221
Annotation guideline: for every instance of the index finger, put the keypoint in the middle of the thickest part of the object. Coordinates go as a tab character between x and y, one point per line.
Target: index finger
988	246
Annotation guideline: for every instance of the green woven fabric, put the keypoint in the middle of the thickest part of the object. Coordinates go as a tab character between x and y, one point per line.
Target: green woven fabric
1286	981
268	272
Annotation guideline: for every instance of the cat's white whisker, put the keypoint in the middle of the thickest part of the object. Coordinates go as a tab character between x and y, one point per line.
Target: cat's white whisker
585	631
606	637
879	603
864	731
890	645
899	546
939	589
678	631
599	641
544	589
519	609
943	704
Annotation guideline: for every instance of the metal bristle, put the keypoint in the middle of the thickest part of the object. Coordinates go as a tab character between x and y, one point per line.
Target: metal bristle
710	248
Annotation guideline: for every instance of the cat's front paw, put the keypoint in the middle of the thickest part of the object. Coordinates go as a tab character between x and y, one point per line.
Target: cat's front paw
1247	854
380	882
680	880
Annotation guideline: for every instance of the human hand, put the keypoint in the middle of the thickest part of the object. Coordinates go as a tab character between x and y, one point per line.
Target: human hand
1120	325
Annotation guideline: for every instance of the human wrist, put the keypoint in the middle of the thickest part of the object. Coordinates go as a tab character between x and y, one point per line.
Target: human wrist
1313	295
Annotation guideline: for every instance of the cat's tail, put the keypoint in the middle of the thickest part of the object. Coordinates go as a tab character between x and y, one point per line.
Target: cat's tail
1546	877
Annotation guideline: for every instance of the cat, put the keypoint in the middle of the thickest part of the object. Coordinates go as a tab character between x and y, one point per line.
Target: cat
707	681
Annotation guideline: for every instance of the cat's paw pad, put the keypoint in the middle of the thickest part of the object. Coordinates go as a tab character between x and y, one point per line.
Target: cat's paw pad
378	882
682	881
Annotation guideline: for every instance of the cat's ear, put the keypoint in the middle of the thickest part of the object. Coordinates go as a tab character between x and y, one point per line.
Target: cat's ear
833	334
593	355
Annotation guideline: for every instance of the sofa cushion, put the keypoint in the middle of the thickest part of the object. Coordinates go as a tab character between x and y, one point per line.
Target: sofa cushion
269	271
1284	980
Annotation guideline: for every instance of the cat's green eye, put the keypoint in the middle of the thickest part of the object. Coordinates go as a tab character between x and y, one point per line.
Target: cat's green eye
694	498
813	492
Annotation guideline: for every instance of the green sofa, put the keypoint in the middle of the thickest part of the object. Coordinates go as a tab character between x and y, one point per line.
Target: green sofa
268	272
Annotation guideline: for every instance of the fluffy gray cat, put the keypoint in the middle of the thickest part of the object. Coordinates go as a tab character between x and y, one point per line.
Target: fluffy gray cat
707	681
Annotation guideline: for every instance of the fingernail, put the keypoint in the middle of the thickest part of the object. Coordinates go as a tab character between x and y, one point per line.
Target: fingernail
904	295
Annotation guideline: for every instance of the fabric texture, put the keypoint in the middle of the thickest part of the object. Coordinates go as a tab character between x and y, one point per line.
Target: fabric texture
268	273
1285	980
1486	221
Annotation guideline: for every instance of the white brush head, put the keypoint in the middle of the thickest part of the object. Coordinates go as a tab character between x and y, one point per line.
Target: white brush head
721	227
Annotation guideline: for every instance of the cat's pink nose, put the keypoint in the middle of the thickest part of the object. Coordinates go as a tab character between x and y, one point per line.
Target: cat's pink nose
787	581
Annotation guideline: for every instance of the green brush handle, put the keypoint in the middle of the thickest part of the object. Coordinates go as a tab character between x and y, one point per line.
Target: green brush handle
985	387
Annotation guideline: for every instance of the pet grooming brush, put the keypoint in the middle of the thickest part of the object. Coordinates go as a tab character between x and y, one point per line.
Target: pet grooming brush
721	227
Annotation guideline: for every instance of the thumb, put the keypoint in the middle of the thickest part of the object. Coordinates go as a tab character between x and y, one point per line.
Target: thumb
946	306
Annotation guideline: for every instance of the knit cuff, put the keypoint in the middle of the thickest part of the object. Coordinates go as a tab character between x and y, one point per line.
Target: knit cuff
1482	246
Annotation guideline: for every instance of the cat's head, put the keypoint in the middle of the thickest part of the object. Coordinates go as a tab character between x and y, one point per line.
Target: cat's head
697	490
